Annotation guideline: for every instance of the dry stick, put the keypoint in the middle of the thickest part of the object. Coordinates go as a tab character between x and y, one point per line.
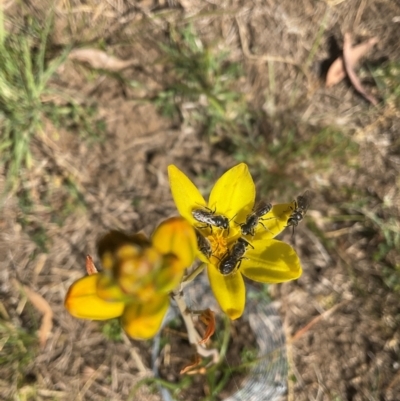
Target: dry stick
350	72
193	335
324	315
264	57
135	356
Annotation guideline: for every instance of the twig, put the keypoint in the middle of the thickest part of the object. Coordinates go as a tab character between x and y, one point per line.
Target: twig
135	356
308	326
264	57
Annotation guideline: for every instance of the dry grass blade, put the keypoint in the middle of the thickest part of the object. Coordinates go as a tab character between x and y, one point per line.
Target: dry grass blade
337	71
100	60
349	65
309	325
44	308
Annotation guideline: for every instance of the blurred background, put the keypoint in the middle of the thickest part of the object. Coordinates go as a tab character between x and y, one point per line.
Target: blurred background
97	98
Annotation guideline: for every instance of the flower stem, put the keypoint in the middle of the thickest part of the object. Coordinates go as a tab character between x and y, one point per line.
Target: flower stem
193	335
191	276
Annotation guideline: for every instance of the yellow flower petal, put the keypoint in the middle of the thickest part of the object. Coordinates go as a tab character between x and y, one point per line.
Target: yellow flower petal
142	321
234	193
186	195
229	291
271	261
82	301
108	290
176	236
170	275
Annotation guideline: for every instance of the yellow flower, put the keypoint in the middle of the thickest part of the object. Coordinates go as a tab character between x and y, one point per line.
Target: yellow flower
231	201
138	276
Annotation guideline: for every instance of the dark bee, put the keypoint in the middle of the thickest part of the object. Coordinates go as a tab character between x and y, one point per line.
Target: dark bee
210	219
252	220
301	205
233	257
203	244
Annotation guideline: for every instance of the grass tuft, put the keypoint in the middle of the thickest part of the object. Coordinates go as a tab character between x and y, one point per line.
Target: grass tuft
24	76
202	85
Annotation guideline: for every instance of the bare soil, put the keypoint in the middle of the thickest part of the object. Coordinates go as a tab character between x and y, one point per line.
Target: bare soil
341	319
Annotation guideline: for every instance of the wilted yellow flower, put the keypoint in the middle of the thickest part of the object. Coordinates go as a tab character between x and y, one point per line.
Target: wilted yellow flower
138	276
231	200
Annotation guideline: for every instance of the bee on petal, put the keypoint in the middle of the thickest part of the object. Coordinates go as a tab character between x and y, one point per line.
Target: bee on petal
210	219
254	218
233	257
203	244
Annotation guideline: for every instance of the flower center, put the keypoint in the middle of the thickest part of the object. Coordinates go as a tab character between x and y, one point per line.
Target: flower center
219	244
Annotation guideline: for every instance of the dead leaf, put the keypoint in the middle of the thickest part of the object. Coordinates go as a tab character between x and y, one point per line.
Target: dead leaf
186	369
100	60
337	69
349	66
44	308
208	318
90	267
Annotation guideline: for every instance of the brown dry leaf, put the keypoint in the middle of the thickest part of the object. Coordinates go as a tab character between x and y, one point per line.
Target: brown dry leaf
208	318
190	367
100	60
90	267
337	69
44	308
349	65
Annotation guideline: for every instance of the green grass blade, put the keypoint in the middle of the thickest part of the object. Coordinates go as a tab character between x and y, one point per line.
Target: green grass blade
40	58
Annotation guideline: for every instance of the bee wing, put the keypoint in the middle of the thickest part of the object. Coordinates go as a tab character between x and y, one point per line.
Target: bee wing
262	207
304	201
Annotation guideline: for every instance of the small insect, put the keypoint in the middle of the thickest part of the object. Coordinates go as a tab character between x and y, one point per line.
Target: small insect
301	205
233	257
203	244
210	219
252	220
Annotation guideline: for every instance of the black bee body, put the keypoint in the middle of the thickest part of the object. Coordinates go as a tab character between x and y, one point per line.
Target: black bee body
203	244
210	219
252	220
301	205
233	257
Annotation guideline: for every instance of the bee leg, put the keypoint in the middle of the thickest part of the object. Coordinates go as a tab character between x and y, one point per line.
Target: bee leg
204	227
247	242
211	210
267	229
240	261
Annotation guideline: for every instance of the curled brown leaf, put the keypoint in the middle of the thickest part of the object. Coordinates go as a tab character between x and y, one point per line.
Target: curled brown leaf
90	267
337	70
349	66
208	318
189	368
